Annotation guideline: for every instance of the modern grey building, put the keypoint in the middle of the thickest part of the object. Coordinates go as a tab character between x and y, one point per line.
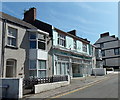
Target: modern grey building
98	54
110	48
20	48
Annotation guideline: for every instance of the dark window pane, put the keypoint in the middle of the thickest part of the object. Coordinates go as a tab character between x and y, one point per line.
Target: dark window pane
32	44
41	45
13	42
32	36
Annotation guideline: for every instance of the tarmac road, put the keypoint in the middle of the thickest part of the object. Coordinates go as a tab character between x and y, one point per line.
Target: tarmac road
107	88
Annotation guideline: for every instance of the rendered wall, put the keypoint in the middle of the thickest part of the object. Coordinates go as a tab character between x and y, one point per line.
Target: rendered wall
14	90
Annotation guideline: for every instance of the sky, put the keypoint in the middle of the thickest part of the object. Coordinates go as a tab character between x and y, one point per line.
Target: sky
89	19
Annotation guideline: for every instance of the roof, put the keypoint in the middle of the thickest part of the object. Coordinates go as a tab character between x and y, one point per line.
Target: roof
16	20
78	38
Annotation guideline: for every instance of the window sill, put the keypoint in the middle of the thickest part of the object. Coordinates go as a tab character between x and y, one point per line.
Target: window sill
8	46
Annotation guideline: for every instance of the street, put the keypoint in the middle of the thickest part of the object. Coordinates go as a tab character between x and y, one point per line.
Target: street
106	89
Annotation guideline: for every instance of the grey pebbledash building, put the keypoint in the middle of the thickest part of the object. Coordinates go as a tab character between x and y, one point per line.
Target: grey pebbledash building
16	40
110	48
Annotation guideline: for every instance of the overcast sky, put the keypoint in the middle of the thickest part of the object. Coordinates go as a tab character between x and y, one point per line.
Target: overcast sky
89	19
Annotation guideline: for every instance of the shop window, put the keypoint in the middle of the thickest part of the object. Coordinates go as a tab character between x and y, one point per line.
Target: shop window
12	37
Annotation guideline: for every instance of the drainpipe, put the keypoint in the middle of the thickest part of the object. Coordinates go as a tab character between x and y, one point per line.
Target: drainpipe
3	46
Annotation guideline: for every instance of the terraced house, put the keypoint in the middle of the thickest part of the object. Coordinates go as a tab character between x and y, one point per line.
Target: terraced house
68	54
20	50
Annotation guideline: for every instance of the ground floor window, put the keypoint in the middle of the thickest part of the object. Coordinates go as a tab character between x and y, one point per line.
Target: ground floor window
10	68
41	68
62	68
38	68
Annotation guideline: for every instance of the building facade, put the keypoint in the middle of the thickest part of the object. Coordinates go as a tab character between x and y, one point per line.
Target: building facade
68	54
72	55
110	46
20	48
99	62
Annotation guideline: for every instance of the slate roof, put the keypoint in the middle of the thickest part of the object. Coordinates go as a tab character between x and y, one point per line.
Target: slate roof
15	20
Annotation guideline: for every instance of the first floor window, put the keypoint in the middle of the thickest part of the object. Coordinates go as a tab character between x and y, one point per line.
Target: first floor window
103	53
117	51
32	44
12	37
84	47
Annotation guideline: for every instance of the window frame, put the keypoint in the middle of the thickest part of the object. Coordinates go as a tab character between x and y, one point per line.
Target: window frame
12	37
75	44
61	40
84	47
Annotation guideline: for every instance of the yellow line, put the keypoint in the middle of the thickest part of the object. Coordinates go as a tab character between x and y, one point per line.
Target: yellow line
90	84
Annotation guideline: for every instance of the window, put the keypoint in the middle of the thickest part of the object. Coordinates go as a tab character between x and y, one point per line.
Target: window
32	44
42	64
102	45
84	47
12	37
103	53
75	44
61	40
37	41
10	68
41	45
32	36
117	51
32	64
41	68
33	73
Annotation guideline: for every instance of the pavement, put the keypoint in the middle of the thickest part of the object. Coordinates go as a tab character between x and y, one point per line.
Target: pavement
76	83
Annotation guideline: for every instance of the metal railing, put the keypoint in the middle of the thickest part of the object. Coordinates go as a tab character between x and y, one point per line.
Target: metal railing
30	82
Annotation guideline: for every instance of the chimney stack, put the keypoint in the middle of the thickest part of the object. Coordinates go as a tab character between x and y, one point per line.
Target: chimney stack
73	32
104	34
30	15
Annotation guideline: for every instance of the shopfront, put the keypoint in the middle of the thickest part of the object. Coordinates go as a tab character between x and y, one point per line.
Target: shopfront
67	64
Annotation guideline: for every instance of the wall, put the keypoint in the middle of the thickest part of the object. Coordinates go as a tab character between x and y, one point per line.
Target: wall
99	71
20	53
14	89
48	86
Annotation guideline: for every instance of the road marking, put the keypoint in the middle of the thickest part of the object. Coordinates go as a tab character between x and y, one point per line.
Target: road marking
88	85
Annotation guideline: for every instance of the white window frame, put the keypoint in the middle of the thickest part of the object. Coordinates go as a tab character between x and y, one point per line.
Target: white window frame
12	37
61	40
84	47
